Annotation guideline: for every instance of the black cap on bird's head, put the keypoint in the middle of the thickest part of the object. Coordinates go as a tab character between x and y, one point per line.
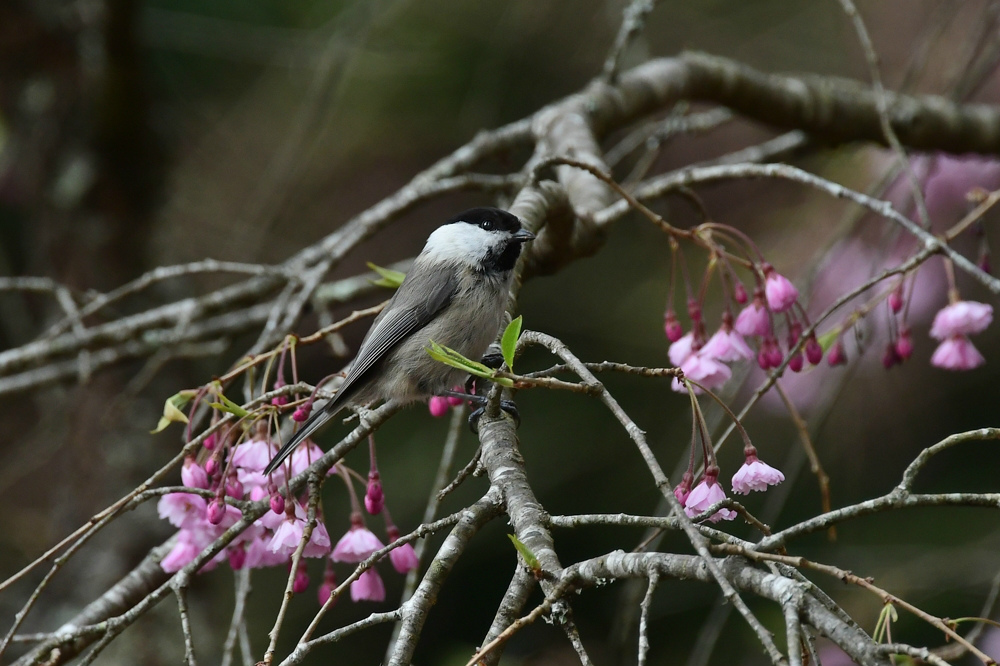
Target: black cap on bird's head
488	239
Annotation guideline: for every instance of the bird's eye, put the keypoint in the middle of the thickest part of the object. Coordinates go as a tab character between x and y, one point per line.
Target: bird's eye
487	225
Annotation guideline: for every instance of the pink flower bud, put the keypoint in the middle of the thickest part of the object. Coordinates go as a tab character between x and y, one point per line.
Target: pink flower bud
277	503
837	355
237	557
780	292
374	497
672	327
683	489
763	359
302	412
452	400
301	582
753	320
326	591
193	476
279	383
694	310
739	293
438	406
896	299
212	466
216	511
774	355
904	345
890	356
234	488
210	441
814	351
795	362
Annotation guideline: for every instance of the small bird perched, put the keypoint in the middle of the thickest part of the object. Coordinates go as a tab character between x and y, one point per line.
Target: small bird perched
455	294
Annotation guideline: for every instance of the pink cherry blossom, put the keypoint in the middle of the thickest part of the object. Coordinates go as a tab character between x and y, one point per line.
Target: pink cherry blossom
289	533
368	587
753	319
706	371
961	318
252	456
781	293
681	349
755	475
703	496
183	510
259	555
404	558
957	353
305	455
183	553
727	345
356	545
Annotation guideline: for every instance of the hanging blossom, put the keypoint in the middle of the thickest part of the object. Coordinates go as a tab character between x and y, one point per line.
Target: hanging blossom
755	474
727	344
952	325
704	495
781	293
961	318
957	353
368	587
357	544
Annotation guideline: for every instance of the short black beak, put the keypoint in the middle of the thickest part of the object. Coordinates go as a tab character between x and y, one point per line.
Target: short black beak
523	236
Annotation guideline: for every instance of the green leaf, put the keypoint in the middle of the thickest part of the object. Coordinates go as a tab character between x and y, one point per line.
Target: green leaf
508	343
449	356
525	553
388	277
172	410
827	339
227	405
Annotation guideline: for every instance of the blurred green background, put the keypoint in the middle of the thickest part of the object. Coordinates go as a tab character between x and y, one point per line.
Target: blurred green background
139	134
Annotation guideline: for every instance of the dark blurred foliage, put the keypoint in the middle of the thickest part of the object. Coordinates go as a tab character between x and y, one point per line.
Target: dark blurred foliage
139	134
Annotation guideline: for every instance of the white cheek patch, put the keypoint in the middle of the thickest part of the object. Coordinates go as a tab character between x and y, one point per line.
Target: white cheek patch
459	242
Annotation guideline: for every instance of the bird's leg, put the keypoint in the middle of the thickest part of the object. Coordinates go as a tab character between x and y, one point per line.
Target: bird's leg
480	400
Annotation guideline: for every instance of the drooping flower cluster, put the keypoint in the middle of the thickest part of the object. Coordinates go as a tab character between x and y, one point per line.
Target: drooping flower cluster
753	475
705	359
271	540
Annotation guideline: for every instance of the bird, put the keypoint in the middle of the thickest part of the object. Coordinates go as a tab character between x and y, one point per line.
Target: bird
455	294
